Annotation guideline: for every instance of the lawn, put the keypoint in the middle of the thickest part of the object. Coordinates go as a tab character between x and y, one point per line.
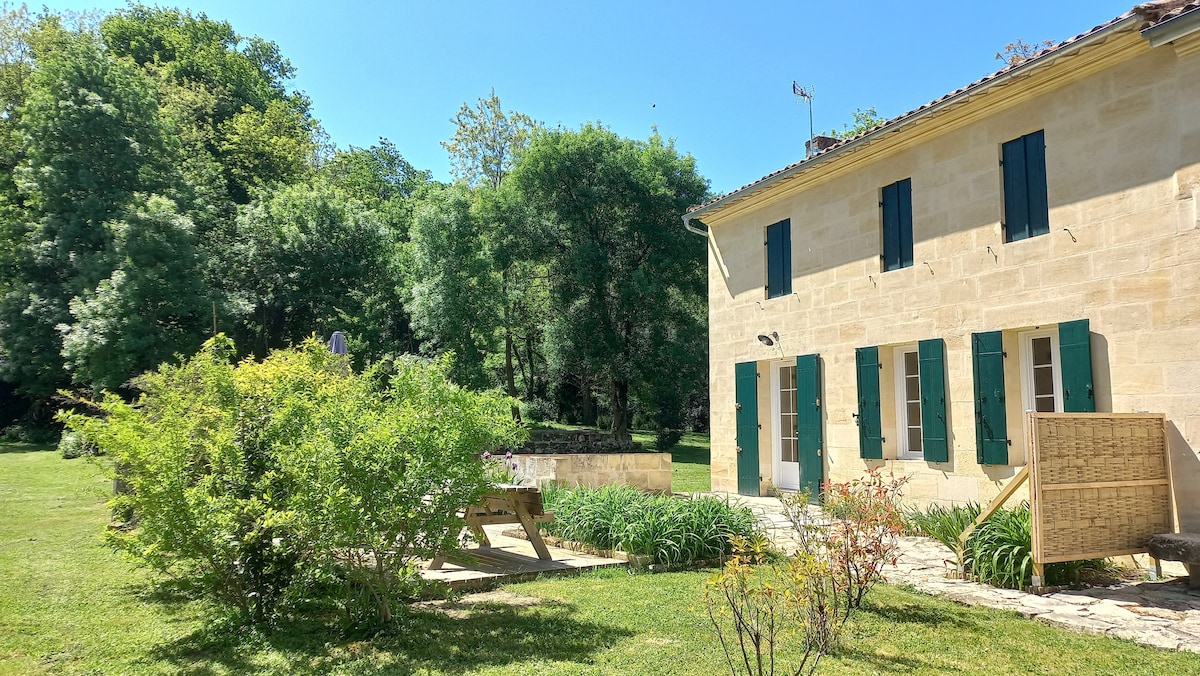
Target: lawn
689	460
70	605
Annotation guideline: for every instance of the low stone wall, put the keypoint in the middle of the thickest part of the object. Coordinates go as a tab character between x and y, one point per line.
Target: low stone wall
646	471
577	441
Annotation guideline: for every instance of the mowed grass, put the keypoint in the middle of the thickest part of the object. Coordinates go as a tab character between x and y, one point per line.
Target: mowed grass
70	605
689	460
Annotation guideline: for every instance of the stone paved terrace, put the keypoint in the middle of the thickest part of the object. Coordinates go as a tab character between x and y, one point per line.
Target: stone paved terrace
1159	614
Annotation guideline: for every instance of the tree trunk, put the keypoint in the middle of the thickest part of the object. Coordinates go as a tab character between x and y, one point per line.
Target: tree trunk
620	408
509	380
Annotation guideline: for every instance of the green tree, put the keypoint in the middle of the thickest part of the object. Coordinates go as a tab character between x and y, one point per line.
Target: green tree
487	141
616	254
452	289
864	120
227	96
151	308
92	139
310	259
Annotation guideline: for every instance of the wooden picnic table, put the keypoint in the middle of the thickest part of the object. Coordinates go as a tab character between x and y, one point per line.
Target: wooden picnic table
507	504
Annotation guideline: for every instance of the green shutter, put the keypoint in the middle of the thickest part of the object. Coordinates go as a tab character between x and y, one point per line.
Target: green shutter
991	431
1016	188
933	400
746	396
779	259
904	207
1035	177
897	225
870	438
891	228
1075	353
808	423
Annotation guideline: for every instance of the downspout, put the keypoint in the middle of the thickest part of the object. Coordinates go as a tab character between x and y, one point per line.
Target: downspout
687	223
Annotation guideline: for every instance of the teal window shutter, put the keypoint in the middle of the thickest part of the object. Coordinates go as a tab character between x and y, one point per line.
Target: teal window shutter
1075	355
1026	206
779	259
746	398
991	430
870	437
934	441
808	424
897	225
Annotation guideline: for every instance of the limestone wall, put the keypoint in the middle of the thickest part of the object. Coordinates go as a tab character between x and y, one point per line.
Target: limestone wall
646	471
577	441
1123	165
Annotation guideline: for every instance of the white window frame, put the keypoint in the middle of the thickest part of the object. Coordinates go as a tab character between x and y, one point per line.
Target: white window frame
1025	340
777	423
903	452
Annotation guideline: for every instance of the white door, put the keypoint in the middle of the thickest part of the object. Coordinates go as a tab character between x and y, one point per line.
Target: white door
785	450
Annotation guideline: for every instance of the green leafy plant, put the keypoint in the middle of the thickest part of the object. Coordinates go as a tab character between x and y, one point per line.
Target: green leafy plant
943	524
999	551
266	481
668	529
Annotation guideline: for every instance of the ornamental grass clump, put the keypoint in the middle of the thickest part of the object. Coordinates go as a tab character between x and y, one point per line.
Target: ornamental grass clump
667	529
999	551
295	478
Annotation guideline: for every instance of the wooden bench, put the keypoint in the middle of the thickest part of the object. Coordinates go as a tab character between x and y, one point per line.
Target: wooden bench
509	504
1182	547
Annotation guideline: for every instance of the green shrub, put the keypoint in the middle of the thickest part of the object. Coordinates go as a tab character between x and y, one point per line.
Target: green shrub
73	445
668	529
999	552
665	438
260	482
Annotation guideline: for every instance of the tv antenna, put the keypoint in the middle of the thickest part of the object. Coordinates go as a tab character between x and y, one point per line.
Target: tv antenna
805	93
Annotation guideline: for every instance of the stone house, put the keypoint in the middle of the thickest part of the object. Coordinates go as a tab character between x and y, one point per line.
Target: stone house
1028	242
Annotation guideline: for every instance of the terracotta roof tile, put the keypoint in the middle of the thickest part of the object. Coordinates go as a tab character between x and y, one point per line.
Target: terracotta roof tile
1152	13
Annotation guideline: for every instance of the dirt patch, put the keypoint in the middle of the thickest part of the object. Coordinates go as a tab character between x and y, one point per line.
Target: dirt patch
463	606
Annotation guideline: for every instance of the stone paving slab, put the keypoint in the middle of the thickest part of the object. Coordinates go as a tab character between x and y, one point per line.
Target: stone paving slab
1158	614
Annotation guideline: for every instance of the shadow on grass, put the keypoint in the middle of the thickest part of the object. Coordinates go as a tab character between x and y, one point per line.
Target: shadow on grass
419	640
886	664
17	447
911	613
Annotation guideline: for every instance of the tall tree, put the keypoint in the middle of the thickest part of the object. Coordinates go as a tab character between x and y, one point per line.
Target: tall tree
92	139
310	259
487	141
153	306
453	291
617	255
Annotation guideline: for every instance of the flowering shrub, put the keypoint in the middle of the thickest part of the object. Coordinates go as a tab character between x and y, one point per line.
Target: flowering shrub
856	532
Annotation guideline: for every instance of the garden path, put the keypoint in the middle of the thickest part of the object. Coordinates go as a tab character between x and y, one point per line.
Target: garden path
1159	614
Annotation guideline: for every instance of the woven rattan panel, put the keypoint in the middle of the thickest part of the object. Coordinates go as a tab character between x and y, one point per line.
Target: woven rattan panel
1100	484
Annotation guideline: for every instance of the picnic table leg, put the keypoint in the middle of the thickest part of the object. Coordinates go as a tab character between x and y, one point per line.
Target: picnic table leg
531	529
436	563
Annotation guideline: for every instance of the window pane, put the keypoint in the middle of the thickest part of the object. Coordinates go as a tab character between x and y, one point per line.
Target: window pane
910	363
914	414
1041	351
1045	404
792	425
912	387
914	440
1043	382
791	405
789	450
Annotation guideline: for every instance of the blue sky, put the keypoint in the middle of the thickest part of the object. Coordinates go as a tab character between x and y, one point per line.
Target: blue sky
716	76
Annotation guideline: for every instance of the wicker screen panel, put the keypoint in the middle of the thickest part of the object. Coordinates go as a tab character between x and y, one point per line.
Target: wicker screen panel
1100	484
